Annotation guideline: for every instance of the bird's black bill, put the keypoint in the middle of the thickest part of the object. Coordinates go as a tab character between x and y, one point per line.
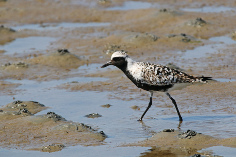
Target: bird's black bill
107	64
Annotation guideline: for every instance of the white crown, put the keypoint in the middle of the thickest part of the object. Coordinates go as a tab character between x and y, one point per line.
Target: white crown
119	54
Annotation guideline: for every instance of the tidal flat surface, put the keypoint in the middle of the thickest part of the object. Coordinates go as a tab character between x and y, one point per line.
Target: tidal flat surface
51	53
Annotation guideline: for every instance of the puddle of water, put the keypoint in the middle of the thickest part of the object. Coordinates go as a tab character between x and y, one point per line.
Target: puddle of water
209	9
91	68
220	151
75	151
131	5
119	121
91	4
226	125
224	80
56	26
202	51
220	125
31	84
223	40
28	44
86	69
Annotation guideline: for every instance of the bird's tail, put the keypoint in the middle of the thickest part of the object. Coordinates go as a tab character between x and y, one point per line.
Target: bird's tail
204	79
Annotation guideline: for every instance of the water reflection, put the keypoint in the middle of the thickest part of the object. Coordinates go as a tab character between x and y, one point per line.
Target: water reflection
28	44
131	5
167	152
203	51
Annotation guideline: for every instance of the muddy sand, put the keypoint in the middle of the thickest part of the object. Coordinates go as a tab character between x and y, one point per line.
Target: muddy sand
51	53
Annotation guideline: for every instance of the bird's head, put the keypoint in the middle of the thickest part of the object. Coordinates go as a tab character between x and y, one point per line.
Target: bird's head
118	59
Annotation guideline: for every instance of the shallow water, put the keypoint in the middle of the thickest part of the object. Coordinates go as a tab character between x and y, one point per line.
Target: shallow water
220	151
209	9
27	45
56	26
224	80
131	5
91	68
119	122
73	151
206	50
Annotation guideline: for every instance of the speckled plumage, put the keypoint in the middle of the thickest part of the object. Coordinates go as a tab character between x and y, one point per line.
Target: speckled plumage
152	77
162	75
144	74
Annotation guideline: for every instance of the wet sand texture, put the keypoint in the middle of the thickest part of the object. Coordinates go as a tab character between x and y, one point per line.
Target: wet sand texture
48	133
182	143
52	42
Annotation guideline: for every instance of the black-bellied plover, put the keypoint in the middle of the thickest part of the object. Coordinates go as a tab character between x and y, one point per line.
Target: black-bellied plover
153	77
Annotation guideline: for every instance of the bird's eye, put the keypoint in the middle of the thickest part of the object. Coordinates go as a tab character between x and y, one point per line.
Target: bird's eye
116	59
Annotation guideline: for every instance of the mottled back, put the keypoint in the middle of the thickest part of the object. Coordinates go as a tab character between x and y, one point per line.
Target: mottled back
162	75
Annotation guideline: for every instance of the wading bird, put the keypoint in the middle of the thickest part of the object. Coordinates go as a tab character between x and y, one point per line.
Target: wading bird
153	77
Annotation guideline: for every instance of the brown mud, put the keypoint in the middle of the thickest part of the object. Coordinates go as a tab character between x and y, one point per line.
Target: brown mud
172	143
21	128
163	33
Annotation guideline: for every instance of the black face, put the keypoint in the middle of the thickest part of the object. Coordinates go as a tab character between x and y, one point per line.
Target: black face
118	62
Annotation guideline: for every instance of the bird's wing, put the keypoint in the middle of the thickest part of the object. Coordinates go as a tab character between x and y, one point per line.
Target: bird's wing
153	74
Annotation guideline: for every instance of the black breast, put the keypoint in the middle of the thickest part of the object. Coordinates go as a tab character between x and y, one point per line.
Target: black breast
147	87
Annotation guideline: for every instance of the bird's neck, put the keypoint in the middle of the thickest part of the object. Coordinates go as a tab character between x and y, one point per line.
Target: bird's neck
128	64
128	71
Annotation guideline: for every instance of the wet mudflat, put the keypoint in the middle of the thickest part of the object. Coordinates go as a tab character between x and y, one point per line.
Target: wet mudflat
55	97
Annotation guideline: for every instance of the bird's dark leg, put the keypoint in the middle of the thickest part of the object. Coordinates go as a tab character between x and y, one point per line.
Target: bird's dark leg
173	101
149	105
